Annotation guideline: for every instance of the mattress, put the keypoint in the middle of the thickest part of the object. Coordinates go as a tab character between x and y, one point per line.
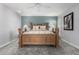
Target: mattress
38	32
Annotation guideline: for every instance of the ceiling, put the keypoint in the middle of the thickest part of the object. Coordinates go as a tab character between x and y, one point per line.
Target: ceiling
40	9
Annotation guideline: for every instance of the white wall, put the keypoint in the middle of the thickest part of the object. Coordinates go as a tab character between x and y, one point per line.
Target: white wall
71	36
9	22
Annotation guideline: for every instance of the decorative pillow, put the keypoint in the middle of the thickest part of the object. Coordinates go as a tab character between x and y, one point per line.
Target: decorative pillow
37	28
34	28
42	27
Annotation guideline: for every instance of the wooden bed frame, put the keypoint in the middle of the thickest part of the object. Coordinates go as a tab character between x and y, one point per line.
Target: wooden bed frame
38	39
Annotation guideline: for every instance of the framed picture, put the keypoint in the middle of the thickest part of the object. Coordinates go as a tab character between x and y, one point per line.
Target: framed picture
68	21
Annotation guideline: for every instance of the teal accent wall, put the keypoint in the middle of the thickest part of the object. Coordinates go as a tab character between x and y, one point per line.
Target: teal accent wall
38	20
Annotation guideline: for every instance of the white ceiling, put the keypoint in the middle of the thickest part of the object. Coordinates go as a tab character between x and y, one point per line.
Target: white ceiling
40	9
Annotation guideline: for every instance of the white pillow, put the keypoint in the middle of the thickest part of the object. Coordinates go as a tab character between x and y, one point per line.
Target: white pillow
34	28
42	27
37	28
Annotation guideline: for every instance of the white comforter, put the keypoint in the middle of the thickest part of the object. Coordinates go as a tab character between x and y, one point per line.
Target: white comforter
38	32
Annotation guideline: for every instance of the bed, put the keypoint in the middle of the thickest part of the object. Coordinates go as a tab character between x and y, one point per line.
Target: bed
38	37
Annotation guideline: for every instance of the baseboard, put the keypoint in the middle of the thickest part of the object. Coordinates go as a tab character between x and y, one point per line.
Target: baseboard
70	43
6	44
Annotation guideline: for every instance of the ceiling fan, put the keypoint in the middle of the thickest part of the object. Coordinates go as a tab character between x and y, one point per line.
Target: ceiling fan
39	5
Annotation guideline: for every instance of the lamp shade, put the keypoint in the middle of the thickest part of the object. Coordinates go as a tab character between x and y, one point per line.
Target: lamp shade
25	28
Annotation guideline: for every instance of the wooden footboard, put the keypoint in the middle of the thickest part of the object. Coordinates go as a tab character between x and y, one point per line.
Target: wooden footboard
38	39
